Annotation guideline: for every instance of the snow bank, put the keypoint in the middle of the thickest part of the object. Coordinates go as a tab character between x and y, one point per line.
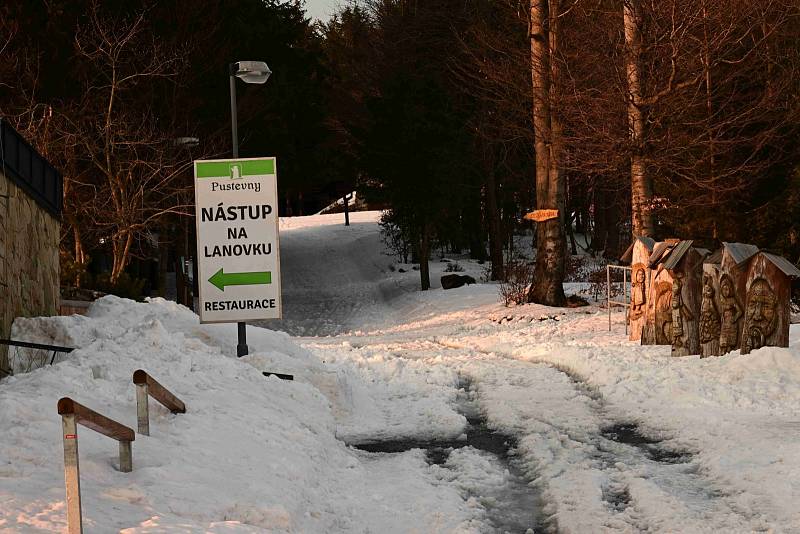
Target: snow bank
251	454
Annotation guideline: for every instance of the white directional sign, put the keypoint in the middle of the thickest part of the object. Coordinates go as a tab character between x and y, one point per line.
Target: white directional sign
238	264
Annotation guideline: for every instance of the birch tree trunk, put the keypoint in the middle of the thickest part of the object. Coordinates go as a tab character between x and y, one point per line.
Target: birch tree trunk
642	220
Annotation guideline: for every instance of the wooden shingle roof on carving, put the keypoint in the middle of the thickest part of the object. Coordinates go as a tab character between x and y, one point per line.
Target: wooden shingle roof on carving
648	242
783	264
661	250
674	256
715	258
740	252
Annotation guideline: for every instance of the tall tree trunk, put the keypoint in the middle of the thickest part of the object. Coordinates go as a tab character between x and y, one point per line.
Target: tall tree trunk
540	79
709	115
122	254
424	257
548	286
642	220
80	253
495	229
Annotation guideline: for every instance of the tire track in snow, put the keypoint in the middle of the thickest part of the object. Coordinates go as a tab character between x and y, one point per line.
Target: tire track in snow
647	484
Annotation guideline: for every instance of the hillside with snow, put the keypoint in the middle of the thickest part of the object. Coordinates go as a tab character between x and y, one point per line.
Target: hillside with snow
437	411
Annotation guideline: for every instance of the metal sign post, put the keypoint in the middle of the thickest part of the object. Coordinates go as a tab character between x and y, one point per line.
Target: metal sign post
237	240
346	200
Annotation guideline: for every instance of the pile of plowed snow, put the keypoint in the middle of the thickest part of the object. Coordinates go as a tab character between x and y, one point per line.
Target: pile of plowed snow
251	453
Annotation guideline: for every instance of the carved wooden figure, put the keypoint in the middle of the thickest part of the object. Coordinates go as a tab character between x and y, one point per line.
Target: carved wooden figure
658	306
662	309
637	255
732	285
766	309
638	309
681	313
686	265
710	319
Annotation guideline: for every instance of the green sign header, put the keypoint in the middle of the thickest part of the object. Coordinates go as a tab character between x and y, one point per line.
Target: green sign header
219	169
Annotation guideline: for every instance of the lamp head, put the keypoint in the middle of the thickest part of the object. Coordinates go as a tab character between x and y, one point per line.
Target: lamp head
250	71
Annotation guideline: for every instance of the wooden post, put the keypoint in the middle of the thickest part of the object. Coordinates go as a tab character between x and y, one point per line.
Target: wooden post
72	477
125	456
73	414
142	410
159	392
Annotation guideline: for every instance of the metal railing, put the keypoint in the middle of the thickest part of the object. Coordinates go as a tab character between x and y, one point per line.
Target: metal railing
31	361
625	303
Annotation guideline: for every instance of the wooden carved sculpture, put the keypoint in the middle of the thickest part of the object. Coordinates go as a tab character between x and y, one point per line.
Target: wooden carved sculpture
730	314
663	314
760	315
638	298
709	315
680	312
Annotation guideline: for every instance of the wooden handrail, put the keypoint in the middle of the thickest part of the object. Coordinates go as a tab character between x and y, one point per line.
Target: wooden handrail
72	414
97	422
147	386
159	392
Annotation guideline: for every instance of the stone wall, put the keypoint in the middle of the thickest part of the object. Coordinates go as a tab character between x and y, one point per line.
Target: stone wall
29	277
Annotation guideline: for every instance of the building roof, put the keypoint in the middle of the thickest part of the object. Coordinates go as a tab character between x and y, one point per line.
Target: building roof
740	252
29	170
648	242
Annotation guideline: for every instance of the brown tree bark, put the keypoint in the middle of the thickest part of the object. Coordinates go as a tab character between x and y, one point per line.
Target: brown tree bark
548	286
642	220
424	257
495	228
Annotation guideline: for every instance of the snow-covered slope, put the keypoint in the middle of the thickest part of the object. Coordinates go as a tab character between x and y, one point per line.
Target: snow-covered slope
612	436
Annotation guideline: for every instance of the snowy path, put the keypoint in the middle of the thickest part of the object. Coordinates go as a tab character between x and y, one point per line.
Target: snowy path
587	476
598	461
332	277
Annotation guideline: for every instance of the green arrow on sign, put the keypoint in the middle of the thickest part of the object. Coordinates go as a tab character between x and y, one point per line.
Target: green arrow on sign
222	279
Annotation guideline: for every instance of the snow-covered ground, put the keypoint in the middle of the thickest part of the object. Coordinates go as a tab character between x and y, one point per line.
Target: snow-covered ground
608	434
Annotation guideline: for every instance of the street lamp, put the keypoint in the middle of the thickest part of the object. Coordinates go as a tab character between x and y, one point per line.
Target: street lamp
249	72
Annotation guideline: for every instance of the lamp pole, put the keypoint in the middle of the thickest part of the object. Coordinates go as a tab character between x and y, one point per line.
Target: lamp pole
249	72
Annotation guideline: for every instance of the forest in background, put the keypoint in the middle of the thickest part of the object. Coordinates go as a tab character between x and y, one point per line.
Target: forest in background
675	118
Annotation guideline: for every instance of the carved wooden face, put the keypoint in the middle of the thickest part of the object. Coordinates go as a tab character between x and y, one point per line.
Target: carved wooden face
761	311
708	288
640	276
726	286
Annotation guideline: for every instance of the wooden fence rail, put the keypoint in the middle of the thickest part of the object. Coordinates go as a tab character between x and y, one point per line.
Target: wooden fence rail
73	414
147	386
